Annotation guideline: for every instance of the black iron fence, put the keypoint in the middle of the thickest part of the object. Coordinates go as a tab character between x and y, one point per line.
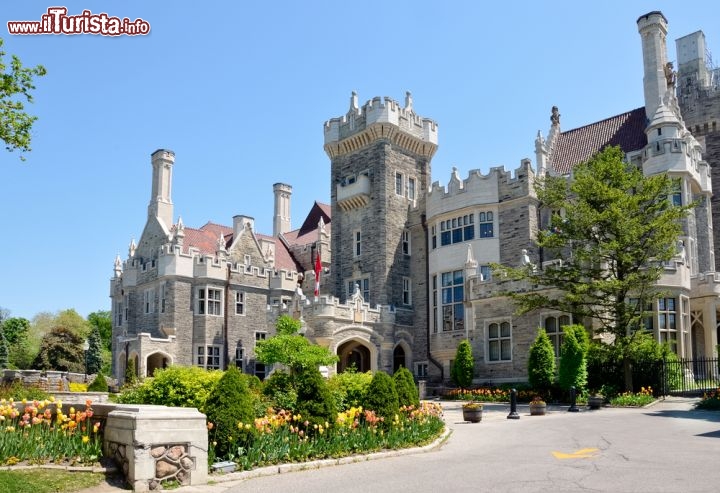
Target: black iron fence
690	376
669	377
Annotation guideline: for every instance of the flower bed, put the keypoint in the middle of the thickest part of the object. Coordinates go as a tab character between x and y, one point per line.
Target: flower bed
283	437
488	394
630	399
710	400
38	432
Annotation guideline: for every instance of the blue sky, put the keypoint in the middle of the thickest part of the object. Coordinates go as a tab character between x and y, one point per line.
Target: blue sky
240	92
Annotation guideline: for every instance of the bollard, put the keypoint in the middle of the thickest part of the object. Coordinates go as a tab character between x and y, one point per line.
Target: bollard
573	396
513	405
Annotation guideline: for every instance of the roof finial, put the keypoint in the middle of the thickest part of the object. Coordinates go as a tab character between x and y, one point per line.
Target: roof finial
353	101
408	101
555	116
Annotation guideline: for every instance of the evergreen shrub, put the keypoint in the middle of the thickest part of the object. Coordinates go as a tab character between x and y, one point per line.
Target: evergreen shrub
541	363
382	396
407	391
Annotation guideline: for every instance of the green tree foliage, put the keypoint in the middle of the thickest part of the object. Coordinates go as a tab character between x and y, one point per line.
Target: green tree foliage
103	321
541	362
406	389
3	351
99	384
315	402
291	349
131	377
178	386
15	329
62	350
16	84
280	389
613	228
573	358
229	403
382	396
93	358
17	334
350	388
463	367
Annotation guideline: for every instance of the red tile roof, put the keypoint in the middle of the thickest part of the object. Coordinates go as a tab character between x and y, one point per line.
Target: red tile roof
205	238
580	144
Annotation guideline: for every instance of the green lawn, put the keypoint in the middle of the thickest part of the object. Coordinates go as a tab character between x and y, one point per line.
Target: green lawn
47	481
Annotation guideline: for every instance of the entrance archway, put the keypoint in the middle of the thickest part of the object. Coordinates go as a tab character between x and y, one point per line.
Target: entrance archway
398	358
354	354
155	362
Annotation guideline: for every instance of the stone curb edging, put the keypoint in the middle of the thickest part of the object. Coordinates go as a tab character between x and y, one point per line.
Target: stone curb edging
94	469
317	464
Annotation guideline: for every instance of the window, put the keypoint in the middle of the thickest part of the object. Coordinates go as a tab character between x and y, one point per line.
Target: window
364	287
162	298
357	236
209	301
126	304
433	232
485	272
148	300
499	341
119	312
453	311
406	242
434	304
239	303
486	224
407	297
667	322
399	183
457	229
647	315
421	370
240	358
208	357
411	189
260	369
553	328
676	195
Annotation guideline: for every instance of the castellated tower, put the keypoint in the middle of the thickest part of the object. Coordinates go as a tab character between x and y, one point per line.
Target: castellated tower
698	93
380	166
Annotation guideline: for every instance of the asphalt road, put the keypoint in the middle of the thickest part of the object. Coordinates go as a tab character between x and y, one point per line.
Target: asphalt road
664	448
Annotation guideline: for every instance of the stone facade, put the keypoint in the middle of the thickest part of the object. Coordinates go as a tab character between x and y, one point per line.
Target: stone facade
405	264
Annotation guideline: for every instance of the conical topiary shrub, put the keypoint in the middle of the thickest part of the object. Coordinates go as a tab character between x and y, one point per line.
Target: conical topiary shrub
406	389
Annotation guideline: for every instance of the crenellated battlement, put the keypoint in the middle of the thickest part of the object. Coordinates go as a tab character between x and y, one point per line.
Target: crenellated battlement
380	111
478	188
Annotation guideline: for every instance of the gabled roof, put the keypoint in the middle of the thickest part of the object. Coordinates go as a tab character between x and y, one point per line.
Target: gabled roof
580	144
317	211
205	238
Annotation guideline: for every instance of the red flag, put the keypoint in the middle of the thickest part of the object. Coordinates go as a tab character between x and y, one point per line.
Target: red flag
318	269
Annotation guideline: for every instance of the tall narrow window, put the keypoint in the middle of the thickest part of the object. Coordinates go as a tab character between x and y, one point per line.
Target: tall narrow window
453	311
162	297
363	284
148	300
411	188
239	303
399	183
407	297
406	242
667	322
433	232
499	341
676	196
358	243
240	358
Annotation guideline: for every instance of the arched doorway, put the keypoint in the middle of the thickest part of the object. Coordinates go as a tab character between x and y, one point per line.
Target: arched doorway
155	362
353	354
398	358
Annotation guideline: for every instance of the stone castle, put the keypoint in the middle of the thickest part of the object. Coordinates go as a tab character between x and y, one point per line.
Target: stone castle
405	261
